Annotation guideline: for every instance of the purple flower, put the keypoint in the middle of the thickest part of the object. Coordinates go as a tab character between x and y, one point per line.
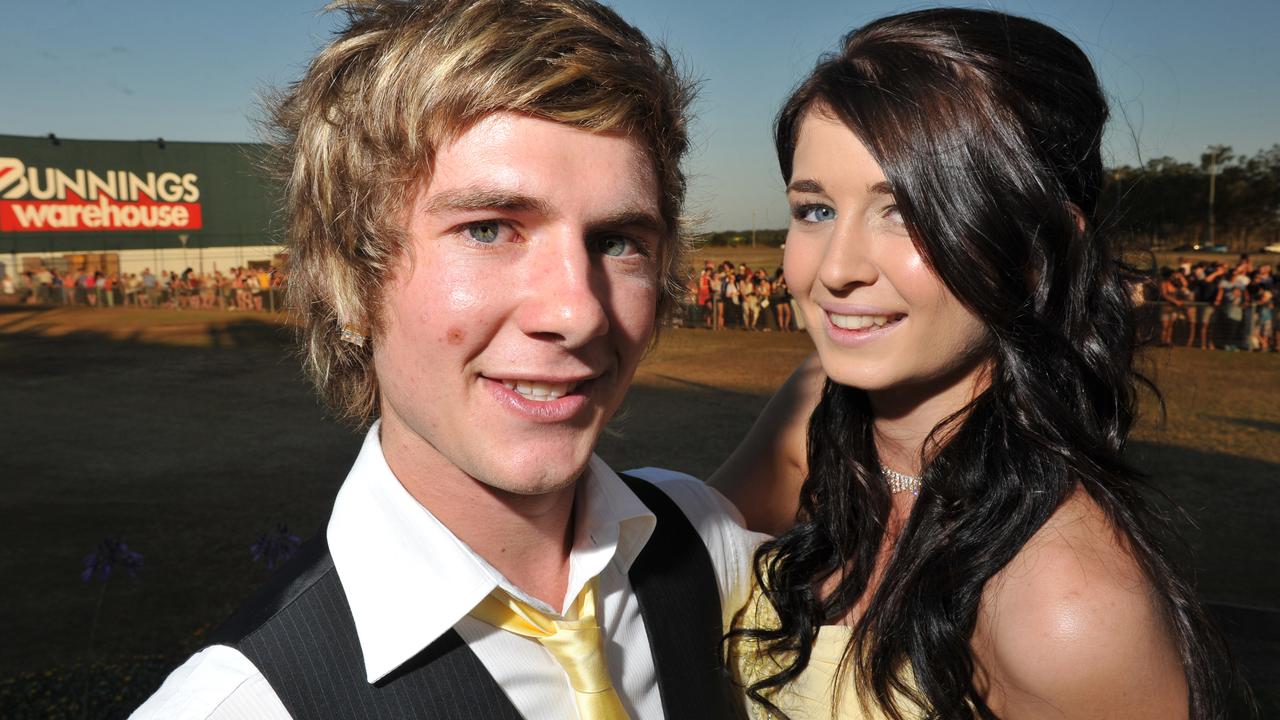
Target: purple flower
110	554
275	546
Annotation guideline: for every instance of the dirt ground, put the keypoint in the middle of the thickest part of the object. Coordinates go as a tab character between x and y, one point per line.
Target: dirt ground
191	434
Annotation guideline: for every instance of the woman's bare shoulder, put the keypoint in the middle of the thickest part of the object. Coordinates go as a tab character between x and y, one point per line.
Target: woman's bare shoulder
1072	627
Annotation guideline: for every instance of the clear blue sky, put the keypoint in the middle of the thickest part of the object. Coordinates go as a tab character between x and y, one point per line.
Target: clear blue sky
1182	74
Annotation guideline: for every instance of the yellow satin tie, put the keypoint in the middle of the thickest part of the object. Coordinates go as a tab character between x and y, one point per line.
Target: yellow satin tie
576	644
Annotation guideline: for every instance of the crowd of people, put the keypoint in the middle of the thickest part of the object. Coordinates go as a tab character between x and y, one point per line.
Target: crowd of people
241	288
729	296
1206	304
1219	305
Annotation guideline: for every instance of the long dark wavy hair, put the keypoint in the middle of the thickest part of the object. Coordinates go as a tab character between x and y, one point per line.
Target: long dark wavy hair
988	129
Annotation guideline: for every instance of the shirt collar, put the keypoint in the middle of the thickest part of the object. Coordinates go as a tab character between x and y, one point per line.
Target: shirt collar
408	579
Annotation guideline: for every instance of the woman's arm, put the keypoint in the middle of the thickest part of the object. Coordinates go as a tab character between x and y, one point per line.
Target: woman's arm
763	475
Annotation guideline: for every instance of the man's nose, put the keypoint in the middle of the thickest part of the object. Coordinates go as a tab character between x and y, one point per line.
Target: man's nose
565	297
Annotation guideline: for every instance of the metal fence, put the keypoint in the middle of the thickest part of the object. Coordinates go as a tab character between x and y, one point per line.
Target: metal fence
1223	326
1235	327
1203	325
754	315
158	297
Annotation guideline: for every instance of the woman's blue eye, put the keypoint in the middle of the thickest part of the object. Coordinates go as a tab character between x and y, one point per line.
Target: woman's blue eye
484	232
816	213
614	245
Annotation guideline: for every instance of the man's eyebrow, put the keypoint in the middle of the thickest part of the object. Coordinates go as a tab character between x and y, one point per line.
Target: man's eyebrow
642	220
805	185
483	198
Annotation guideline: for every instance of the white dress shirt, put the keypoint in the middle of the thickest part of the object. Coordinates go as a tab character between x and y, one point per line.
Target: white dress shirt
409	580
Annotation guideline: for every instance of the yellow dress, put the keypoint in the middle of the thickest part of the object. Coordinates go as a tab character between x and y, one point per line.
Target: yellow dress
813	695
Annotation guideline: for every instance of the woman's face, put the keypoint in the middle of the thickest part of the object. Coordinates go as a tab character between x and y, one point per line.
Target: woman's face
879	317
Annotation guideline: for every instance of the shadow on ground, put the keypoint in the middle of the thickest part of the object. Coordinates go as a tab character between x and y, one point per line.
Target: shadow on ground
192	449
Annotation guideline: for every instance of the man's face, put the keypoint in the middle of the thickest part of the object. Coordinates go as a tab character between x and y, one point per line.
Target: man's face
516	317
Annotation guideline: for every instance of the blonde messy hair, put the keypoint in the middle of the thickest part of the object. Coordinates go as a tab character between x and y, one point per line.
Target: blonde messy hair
357	133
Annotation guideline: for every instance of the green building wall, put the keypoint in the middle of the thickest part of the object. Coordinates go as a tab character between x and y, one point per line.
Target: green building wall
238	202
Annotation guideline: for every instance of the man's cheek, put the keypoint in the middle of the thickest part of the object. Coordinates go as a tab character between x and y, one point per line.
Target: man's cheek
462	297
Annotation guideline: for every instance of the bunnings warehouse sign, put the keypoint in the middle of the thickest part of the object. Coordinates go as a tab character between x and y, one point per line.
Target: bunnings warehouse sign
34	199
69	195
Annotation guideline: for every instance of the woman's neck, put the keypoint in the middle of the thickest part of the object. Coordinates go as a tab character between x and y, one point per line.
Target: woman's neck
905	415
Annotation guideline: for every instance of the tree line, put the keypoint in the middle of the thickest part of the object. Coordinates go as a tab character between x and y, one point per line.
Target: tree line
1162	205
1165	204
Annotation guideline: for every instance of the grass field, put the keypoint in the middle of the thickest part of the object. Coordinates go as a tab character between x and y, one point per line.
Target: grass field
190	435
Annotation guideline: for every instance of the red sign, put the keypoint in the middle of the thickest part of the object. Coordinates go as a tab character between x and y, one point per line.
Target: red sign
57	201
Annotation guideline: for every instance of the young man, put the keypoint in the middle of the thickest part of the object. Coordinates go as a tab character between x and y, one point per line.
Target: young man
484	204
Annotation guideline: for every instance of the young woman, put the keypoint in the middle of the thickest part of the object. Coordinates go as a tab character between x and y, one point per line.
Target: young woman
962	536
781	301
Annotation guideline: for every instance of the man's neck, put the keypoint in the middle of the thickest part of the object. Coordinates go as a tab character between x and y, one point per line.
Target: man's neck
527	538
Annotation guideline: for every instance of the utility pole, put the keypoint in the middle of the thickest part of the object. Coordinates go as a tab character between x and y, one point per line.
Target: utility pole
1216	154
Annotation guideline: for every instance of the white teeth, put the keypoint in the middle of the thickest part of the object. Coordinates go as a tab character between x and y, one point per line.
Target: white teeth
858	322
539	391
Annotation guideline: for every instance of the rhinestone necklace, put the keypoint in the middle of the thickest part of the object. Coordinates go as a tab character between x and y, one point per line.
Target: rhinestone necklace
899	482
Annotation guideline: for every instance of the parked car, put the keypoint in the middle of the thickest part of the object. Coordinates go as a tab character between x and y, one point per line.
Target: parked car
1201	248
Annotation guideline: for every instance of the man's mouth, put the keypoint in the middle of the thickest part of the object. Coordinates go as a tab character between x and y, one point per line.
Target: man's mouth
540	391
864	322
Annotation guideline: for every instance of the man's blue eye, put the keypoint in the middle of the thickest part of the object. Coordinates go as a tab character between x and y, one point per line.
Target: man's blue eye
614	245
484	232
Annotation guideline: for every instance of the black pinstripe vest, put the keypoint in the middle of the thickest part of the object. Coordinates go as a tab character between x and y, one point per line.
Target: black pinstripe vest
299	632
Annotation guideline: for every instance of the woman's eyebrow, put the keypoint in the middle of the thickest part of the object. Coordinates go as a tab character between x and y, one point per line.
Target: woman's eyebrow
805	185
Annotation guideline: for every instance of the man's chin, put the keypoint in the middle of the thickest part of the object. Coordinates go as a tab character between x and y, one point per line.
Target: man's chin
545	479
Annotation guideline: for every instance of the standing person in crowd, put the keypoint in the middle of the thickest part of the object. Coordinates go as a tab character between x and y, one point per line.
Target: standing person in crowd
132	289
207	295
1230	302
1205	289
1264	277
780	299
750	301
762	290
63	291
108	283
82	280
733	299
510	173
44	287
1172	305
718	299
961	534
704	293
1182	291
1261	301
263	276
150	288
